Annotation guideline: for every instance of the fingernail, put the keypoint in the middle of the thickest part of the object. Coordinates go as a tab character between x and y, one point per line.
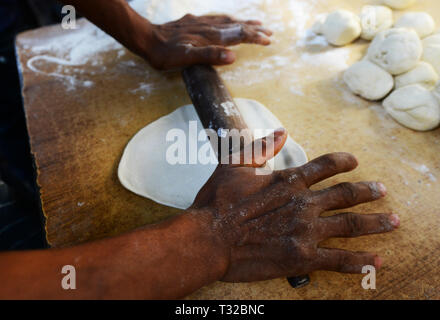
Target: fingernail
395	220
279	132
378	262
382	188
227	56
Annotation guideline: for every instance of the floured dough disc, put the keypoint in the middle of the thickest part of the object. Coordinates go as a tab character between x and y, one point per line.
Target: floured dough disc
145	170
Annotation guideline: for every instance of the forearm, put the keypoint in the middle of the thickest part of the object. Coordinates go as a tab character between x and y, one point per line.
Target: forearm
163	261
119	20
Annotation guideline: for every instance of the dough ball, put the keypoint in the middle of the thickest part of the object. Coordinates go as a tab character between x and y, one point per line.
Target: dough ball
396	50
423	74
375	19
436	92
421	22
368	80
341	27
431	51
399	4
317	27
414	107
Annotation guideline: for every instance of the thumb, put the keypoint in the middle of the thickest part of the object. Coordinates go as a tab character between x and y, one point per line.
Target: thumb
262	149
211	55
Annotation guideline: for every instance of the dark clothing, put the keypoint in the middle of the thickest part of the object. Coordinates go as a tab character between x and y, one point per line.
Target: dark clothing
21	224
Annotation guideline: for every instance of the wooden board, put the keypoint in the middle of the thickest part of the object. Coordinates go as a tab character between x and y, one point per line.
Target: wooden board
81	117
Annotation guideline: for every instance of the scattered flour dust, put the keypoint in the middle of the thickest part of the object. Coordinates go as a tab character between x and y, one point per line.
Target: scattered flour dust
71	51
423	169
75	49
162	11
144	87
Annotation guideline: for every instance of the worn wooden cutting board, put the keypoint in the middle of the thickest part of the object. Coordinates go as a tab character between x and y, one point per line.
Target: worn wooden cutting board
81	112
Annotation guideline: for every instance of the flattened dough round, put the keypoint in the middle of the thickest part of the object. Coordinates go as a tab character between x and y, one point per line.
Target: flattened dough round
423	74
421	22
375	19
368	80
414	107
144	170
399	4
396	50
341	27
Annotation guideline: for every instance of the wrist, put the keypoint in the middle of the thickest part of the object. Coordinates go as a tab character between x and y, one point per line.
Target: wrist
213	243
140	35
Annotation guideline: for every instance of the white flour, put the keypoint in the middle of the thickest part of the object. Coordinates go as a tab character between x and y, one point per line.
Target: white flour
162	11
423	169
74	49
70	51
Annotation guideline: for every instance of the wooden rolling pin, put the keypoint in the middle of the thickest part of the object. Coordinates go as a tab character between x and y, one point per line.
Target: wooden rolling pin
212	101
208	92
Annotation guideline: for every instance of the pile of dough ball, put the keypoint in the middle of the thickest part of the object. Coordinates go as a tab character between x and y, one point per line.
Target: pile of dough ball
402	63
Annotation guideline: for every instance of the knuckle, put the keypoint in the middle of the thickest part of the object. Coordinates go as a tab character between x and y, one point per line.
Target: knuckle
227	18
343	260
291	176
212	54
353	224
384	222
330	161
305	252
189	16
348	192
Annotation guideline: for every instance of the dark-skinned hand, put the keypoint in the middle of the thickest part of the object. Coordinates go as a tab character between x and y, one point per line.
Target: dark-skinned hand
201	40
270	226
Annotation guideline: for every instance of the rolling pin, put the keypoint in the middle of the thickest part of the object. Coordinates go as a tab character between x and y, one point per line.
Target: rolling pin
208	92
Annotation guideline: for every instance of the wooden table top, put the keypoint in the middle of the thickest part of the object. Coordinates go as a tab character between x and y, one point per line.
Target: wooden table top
85	96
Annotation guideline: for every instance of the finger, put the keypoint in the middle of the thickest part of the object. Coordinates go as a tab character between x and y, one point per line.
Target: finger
256	35
346	195
354	225
253	22
211	55
221	19
326	166
266	31
346	261
260	151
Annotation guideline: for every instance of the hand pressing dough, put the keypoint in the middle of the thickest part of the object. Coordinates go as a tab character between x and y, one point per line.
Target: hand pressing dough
414	107
341	27
396	50
431	51
144	170
375	19
421	22
368	80
423	74
399	4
